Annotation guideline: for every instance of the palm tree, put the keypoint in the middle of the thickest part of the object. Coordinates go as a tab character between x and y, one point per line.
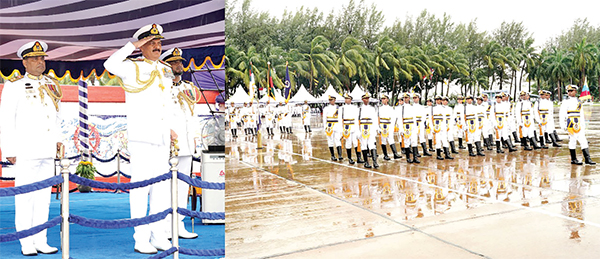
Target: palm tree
384	56
583	58
493	58
352	62
558	68
320	60
238	64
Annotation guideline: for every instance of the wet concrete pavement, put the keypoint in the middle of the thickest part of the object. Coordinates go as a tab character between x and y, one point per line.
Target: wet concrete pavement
290	201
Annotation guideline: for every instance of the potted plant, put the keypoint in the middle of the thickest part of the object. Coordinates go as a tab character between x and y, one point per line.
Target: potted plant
87	170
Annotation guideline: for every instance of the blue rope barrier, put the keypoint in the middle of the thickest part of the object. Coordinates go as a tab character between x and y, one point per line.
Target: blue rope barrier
208	252
164	253
124	158
12	191
199	183
197	159
107	175
7	178
201	215
74	157
28	232
105	160
118	186
121	223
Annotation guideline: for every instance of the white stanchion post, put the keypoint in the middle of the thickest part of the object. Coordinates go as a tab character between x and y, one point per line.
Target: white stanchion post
119	168
64	205
174	161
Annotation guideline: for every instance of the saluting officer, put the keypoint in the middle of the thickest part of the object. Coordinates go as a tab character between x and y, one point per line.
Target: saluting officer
571	120
387	116
333	127
185	95
525	120
369	128
350	130
147	83
30	124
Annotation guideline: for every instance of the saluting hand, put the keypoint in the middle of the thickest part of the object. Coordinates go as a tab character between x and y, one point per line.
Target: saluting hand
143	41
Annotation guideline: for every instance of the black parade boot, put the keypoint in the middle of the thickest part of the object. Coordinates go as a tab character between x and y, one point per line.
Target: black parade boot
479	148
407	153
309	130
385	154
374	155
439	154
491	140
525	144
332	154
453	148
586	156
556	136
349	153
470	146
547	137
305	129
574	160
415	151
396	155
430	141
542	142
425	152
339	149
487	144
511	147
553	139
460	144
514	134
280	129
291	130
358	156
499	147
534	143
447	153
367	165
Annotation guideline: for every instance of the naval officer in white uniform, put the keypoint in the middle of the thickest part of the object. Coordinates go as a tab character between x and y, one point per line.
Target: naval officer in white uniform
184	95
147	82
30	122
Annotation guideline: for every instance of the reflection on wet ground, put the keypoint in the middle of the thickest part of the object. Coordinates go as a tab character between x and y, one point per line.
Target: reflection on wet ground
289	200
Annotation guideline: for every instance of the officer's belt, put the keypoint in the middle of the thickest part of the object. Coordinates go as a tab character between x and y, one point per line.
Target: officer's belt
365	121
438	116
384	120
418	118
470	117
573	113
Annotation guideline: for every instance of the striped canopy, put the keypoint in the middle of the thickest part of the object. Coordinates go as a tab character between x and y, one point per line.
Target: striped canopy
79	30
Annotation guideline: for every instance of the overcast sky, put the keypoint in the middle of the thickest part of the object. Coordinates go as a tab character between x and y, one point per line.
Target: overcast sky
543	19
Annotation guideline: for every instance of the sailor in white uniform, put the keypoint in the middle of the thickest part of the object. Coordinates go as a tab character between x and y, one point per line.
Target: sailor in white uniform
232	114
440	129
571	120
419	110
332	121
500	111
369	128
147	82
306	117
408	130
450	124
387	116
544	110
30	125
526	121
459	116
350	130
185	95
473	133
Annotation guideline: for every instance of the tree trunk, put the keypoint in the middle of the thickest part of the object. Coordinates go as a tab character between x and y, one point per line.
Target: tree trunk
559	94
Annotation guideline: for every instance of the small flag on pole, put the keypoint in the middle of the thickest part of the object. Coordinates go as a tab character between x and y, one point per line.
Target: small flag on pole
252	86
271	91
585	92
288	87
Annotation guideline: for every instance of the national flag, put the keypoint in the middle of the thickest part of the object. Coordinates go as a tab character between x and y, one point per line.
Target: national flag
585	92
287	93
252	86
270	90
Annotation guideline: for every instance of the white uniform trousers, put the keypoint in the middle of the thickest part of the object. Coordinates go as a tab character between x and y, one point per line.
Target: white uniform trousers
148	161
389	140
472	135
352	140
334	140
501	133
32	208
450	133
575	137
441	139
370	142
421	131
411	139
527	131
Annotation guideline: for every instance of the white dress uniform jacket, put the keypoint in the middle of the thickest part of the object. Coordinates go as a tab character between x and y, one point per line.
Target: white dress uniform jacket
369	126
387	118
571	120
333	125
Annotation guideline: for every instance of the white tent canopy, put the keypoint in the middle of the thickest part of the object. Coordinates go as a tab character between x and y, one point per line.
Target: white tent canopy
240	96
278	97
328	92
303	95
357	94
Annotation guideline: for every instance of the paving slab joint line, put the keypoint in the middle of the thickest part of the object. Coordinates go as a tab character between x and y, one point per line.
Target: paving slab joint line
372	212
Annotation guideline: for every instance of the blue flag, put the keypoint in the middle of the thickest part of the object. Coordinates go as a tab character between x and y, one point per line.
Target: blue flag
287	93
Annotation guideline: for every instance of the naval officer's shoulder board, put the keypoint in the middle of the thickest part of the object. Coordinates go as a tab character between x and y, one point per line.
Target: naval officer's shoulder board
15	79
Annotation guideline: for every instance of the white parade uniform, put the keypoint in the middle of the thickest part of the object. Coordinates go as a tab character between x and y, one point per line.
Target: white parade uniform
439	126
30	129
473	133
428	122
543	111
571	120
419	112
487	121
233	117
387	117
269	112
253	116
408	128
481	120
305	115
512	120
369	127
525	118
287	115
184	96
500	113
148	127
333	125
459	110
350	128
450	128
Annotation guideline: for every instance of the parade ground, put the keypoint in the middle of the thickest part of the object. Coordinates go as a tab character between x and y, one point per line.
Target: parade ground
289	200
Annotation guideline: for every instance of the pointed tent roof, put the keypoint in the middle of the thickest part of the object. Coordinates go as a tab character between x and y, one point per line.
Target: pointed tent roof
357	93
328	92
303	95
278	97
240	96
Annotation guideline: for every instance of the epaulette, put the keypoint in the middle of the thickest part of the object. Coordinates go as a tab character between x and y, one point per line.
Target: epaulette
14	79
136	59
164	63
53	79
